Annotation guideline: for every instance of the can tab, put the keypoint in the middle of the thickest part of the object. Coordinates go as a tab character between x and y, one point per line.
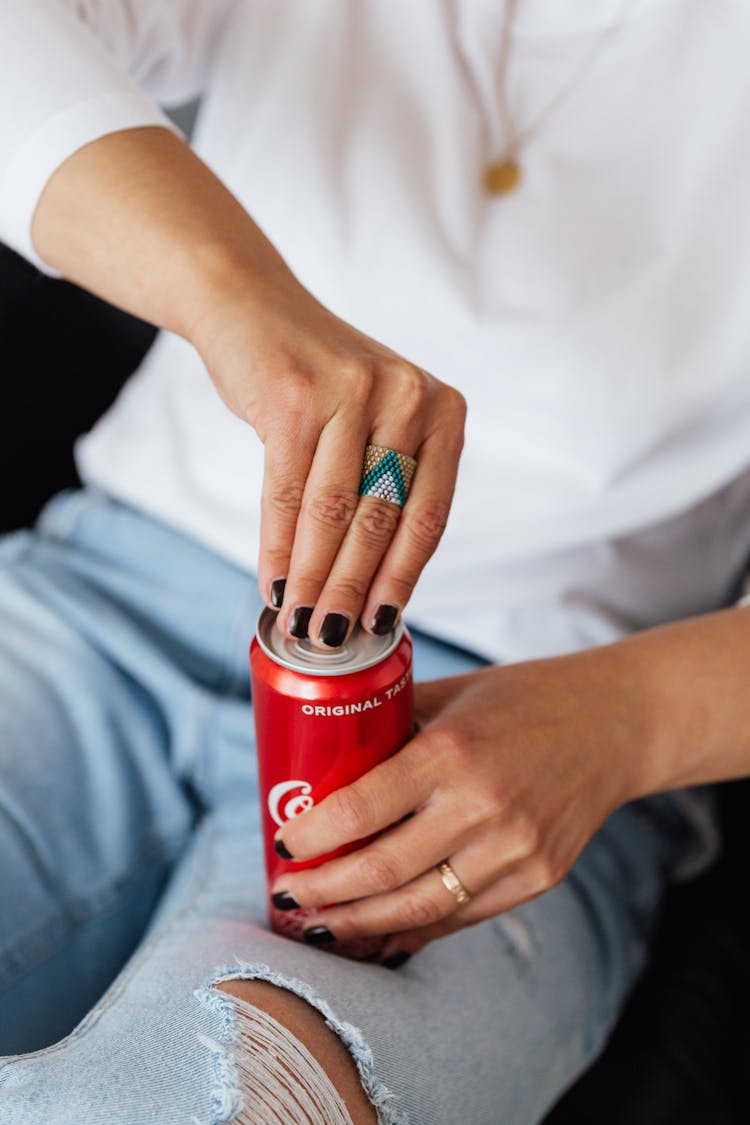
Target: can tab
306	650
362	650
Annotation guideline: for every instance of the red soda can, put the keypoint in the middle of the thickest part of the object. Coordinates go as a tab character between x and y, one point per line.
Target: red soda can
322	719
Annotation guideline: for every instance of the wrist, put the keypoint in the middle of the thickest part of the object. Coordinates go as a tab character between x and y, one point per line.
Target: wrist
230	281
641	740
687	688
614	686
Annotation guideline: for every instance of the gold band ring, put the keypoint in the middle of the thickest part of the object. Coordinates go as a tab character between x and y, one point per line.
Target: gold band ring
453	883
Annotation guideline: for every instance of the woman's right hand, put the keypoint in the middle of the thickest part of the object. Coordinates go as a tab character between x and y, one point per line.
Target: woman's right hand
138	219
317	391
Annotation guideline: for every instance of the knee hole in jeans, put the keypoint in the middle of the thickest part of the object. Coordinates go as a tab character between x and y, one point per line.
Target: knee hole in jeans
279	1078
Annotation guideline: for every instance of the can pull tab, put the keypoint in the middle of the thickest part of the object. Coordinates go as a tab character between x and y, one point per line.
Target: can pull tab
306	651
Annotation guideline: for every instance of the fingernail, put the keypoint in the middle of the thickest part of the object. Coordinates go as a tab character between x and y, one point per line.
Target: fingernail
318	935
396	960
277	592
281	849
284	900
300	620
334	629
384	619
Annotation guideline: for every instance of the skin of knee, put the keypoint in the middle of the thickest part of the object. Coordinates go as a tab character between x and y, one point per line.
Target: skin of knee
309	1027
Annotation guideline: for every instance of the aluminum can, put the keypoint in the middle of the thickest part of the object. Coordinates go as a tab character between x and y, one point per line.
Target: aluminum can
322	719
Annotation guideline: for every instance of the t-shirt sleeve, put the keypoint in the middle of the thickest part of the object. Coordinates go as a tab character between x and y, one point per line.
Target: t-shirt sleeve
72	71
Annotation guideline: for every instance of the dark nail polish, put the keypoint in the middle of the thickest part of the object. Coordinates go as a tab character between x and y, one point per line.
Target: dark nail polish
284	900
277	592
300	620
281	849
384	619
333	629
396	960
318	935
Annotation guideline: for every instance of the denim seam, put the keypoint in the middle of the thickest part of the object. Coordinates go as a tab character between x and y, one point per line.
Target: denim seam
200	880
227	1100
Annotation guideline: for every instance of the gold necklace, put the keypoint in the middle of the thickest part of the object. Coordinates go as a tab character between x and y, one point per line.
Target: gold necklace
503	175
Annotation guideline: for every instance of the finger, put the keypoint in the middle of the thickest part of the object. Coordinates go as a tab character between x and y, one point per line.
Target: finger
377	800
287	460
366	541
396	857
329	501
404	413
371	530
420	528
515	888
425	901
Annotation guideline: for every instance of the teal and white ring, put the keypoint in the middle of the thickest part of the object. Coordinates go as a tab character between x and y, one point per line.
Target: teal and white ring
386	474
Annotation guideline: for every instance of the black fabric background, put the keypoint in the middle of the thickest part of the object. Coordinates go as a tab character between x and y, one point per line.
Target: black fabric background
63	357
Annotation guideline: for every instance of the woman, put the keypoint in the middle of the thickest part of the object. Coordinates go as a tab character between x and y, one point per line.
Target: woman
519	202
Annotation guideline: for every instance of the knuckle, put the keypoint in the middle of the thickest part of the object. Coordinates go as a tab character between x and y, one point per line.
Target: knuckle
454	747
548	873
528	837
275	560
293	400
400	588
453	406
284	498
293	395
376	522
426	524
378	872
356	380
357	395
249	410
332	508
412	389
485	808
421	910
350	812
346	591
482	808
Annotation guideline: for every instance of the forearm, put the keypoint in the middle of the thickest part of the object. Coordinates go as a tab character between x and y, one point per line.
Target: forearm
690	685
137	218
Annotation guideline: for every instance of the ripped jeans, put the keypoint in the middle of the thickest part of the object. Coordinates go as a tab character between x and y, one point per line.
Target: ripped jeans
132	875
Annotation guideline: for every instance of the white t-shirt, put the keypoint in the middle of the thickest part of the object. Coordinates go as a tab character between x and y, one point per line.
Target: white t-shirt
597	319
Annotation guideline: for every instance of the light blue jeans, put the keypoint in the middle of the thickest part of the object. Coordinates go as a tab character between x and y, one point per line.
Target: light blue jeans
132	868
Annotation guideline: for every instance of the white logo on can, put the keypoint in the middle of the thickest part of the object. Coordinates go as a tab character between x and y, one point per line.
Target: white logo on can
293	805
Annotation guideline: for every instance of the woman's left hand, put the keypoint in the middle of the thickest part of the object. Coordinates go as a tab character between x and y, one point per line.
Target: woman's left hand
511	773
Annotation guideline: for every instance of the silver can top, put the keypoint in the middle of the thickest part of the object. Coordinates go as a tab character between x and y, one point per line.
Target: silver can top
362	650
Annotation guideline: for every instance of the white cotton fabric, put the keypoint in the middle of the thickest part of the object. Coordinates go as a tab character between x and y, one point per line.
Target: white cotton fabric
596	319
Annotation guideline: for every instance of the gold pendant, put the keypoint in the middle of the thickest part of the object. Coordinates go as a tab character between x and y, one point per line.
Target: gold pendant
502	177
